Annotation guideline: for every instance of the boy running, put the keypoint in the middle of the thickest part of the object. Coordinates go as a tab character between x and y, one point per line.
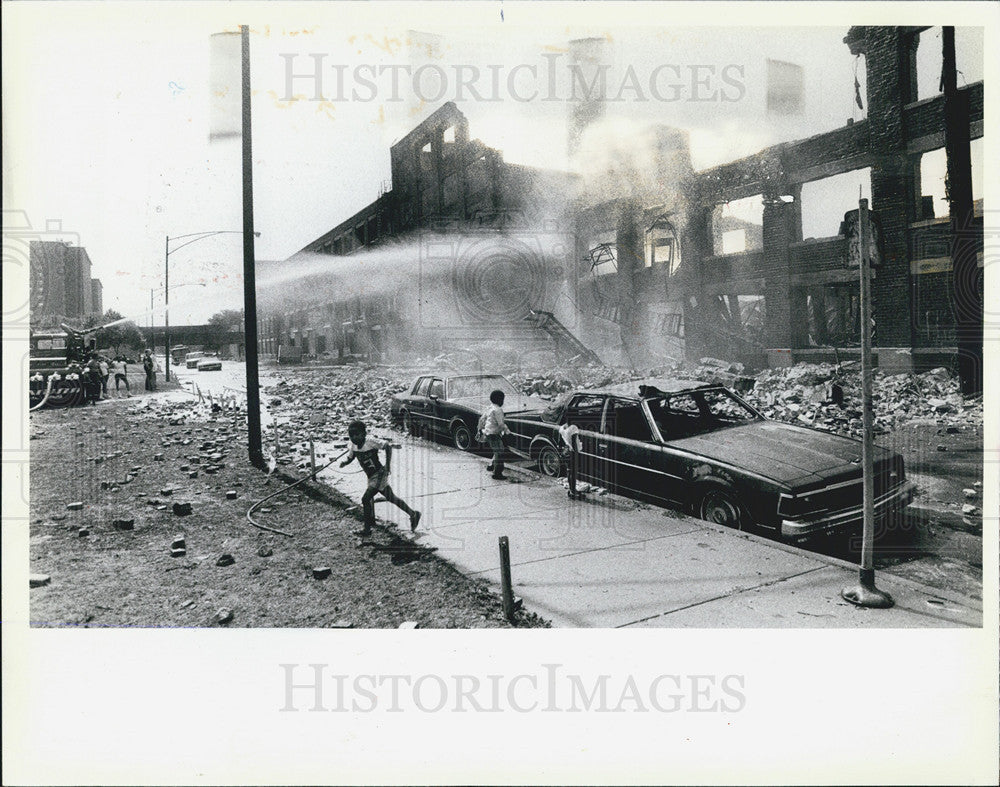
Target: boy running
366	452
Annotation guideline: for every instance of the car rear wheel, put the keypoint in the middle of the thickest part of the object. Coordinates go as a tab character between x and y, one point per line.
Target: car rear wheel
461	436
549	462
723	508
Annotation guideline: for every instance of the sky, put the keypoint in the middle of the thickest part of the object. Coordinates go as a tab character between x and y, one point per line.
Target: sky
106	110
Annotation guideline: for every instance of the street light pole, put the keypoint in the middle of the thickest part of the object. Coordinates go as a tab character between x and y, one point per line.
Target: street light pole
249	274
166	308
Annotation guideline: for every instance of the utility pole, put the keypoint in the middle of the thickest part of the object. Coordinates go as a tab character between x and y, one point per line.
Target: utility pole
967	282
166	308
865	594
249	273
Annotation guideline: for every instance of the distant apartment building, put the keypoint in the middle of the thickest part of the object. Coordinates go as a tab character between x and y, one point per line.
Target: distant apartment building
61	283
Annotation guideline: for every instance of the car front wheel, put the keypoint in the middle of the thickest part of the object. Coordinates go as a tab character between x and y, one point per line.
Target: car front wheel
723	508
408	426
461	436
549	462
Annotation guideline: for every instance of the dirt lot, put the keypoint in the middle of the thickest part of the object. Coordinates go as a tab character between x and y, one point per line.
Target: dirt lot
125	460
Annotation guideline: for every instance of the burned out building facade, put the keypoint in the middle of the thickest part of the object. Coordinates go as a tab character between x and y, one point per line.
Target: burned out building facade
662	267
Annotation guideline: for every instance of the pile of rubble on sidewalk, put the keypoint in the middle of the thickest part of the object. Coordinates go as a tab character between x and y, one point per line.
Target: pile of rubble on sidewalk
319	404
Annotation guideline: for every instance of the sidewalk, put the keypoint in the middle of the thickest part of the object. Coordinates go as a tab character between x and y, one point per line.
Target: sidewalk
606	561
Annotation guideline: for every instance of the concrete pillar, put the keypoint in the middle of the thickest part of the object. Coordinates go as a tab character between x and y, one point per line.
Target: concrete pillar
784	307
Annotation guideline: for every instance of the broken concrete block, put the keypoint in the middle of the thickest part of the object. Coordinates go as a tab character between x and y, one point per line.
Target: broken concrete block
123	524
187	603
182	509
265	551
178	552
161	508
193	474
158	457
970	493
178	543
38	580
231	494
77	506
224	616
83	532
342	624
322	572
225	560
968	509
185	468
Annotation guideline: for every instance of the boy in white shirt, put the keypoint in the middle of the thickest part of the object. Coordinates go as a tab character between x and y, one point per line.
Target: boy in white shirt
491	424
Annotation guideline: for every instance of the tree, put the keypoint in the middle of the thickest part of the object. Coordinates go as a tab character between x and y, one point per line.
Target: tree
119	337
221	324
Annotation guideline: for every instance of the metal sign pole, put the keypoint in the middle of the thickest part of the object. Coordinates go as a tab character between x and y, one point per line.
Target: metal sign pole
866	594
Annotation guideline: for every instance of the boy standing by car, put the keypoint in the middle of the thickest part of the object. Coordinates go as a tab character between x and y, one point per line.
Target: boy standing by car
366	452
491	424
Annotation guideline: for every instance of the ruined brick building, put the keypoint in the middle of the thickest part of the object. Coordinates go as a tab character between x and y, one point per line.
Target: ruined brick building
666	268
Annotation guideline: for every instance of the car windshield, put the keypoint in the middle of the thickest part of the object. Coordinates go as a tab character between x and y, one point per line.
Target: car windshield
553	413
479	386
697	412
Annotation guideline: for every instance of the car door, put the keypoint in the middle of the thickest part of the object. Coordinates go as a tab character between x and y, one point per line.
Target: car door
676	417
627	443
586	411
420	405
437	406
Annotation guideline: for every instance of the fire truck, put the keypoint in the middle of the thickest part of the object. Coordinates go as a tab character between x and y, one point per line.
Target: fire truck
56	365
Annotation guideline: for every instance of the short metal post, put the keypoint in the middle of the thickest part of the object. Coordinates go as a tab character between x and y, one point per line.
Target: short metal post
312	456
507	590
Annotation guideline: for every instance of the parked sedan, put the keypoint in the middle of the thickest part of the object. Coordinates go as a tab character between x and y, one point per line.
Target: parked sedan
703	449
192	358
209	363
449	405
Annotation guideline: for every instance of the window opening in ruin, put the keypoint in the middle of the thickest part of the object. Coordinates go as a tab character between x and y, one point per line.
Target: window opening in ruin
933	177
968	59
738	226
824	202
449	135
735	322
834	315
662	247
603	259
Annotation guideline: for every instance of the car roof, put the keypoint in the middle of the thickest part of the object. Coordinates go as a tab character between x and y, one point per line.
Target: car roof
667	385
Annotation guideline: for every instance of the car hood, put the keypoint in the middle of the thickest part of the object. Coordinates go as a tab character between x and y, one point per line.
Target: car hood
511	405
786	453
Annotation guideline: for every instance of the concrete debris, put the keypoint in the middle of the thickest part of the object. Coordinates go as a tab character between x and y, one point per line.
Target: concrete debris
123	524
409	624
83	532
231	494
265	551
224	616
968	509
182	509
77	506
322	572
178	543
225	560
970	494
38	580
178	552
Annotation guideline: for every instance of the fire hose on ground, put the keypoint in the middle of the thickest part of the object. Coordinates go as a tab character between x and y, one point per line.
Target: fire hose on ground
260	502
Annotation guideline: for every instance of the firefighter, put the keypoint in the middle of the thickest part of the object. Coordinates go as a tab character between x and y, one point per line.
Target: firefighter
149	366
